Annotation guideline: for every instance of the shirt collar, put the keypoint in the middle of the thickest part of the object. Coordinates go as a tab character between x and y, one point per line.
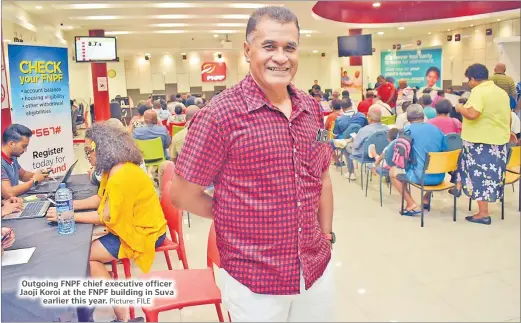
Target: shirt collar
483	84
6	158
256	99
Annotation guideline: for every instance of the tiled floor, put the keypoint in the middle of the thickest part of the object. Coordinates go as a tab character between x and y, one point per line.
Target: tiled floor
389	269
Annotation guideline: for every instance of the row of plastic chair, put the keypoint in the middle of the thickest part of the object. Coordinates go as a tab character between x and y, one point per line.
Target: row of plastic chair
193	286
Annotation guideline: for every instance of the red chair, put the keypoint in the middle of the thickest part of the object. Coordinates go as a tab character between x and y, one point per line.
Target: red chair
326	113
194	286
164	122
174	221
168	175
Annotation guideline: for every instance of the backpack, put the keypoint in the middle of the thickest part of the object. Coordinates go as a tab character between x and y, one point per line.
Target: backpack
402	151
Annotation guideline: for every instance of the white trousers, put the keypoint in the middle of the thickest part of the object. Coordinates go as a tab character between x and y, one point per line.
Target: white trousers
313	305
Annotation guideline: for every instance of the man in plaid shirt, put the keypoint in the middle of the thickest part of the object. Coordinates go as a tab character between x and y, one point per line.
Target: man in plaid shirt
263	145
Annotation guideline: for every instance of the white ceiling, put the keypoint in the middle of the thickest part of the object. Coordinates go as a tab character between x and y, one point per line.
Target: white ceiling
181	26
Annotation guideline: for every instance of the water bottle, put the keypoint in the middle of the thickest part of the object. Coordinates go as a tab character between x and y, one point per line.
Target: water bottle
65	210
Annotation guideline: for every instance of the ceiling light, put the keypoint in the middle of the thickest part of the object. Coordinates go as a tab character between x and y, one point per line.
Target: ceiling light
306	31
38	7
97	17
231	24
388	50
380	33
219	31
216	35
315	51
448	30
376	4
429	33
471	25
401	28
308	35
247	5
169	25
169	31
245	17
499	20
112	33
172	16
85	6
172	5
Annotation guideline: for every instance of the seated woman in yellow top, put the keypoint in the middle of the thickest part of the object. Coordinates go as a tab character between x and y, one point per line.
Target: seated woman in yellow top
127	204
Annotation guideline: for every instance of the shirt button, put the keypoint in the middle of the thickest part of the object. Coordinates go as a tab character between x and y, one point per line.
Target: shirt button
295	148
298	203
296	176
299	229
290	124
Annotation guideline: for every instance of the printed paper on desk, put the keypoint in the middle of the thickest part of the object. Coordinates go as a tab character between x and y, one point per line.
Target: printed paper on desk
17	257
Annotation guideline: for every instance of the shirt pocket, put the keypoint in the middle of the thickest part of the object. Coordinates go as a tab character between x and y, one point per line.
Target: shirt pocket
316	157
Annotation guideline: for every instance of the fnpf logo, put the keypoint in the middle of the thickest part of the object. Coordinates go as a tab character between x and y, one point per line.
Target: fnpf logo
213	72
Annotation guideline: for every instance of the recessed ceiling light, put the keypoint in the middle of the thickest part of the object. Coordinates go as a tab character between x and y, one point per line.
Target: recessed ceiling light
112	33
380	33
499	20
38	7
401	28
448	30
471	25
376	4
97	18
315	51
216	35
308	35
429	33
388	50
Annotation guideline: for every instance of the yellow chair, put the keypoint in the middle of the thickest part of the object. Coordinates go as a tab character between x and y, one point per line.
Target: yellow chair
512	175
152	150
435	163
390	120
176	129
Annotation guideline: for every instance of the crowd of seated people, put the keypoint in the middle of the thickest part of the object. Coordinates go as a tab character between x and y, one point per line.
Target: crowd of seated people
427	119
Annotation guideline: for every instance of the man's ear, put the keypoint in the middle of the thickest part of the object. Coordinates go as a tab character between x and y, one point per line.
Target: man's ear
247	50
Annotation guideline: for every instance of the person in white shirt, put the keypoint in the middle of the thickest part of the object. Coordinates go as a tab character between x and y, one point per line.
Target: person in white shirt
405	93
401	120
387	111
158	108
515	124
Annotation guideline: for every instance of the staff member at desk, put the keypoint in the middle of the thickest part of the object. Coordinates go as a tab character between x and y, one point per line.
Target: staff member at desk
127	205
15	140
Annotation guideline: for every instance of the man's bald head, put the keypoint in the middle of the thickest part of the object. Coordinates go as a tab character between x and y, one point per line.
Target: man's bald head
191	111
157	104
500	68
150	117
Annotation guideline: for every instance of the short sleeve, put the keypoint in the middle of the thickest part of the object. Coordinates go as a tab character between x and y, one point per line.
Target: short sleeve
204	150
476	102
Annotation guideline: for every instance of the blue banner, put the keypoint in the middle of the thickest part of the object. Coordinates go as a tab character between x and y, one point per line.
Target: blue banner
40	100
419	68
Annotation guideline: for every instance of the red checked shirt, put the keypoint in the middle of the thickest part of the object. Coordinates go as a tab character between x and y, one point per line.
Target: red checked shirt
267	175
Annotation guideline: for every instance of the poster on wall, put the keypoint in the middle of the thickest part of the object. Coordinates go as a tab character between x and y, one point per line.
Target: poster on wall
419	68
352	81
40	98
6	112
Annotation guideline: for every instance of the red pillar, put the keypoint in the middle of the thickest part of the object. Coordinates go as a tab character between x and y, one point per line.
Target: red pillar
101	98
355	60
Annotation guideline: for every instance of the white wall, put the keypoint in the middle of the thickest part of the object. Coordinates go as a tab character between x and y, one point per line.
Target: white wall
510	54
134	72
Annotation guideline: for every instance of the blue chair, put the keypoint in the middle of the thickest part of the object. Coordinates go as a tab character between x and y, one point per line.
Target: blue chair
379	139
382	173
354	128
454	141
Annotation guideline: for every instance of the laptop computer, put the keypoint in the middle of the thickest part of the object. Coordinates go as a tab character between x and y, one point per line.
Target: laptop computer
50	186
30	210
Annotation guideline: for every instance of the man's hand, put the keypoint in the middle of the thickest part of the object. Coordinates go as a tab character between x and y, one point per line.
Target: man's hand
15	199
38	176
458	107
8	242
51	215
10	207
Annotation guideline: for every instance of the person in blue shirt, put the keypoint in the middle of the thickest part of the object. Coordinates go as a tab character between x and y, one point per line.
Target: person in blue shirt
428	110
152	130
426	138
356	148
348	117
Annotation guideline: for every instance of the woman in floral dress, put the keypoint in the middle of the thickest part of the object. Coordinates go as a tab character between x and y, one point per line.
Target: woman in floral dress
485	134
